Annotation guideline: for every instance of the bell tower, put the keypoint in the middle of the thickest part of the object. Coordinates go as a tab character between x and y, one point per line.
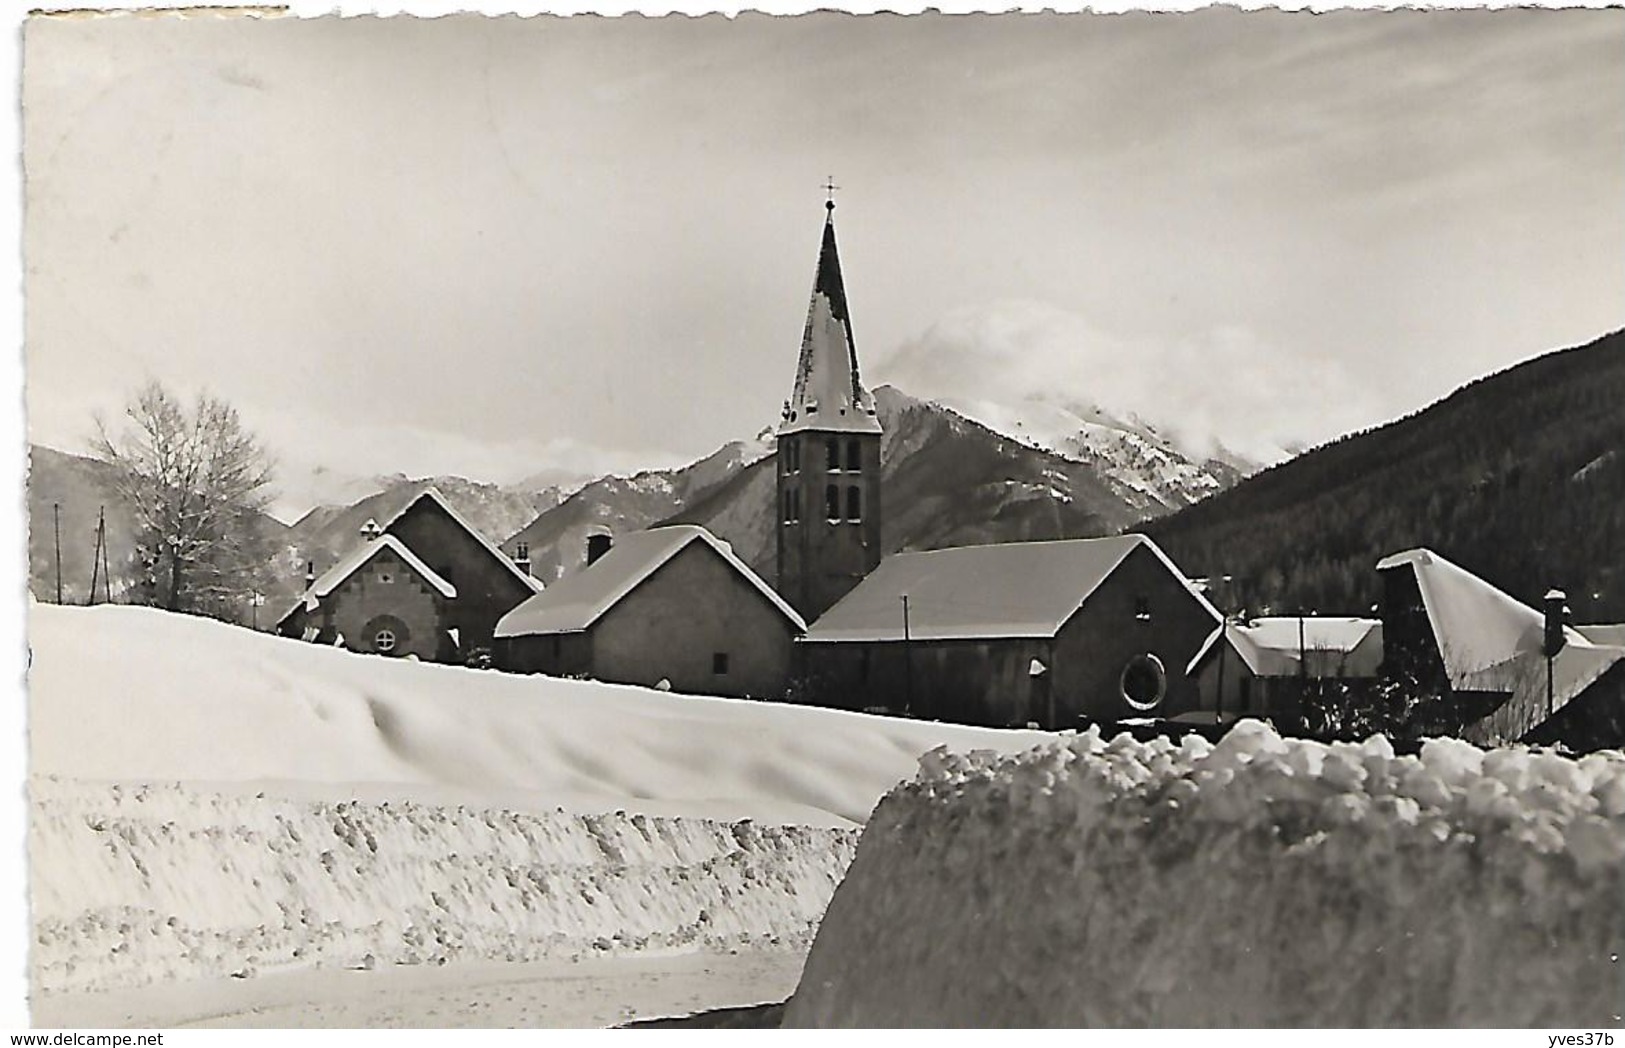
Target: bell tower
828	454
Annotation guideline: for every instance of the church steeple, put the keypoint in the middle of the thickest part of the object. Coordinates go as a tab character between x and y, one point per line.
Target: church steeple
828	486
828	394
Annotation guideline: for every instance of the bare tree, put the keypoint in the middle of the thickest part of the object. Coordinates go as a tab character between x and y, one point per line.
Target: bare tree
196	484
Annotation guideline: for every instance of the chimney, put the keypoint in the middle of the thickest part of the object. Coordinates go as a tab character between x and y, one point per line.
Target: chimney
1557	613
598	544
310	573
521	556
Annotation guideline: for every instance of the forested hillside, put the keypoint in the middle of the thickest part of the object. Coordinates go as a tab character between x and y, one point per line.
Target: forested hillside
1518	477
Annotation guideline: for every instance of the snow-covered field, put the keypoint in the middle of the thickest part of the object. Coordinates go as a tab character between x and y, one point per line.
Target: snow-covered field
213	808
1261	882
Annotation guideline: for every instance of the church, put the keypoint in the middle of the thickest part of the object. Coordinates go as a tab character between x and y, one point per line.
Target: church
828	459
1048	633
1005	634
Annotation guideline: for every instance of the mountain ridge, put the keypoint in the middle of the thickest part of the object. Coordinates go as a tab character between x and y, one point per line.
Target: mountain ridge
1518	476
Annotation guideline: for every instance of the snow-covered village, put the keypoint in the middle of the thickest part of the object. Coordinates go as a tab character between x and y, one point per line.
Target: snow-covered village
1169	573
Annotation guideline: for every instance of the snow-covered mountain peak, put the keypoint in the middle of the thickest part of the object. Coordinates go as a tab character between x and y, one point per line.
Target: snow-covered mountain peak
1124	447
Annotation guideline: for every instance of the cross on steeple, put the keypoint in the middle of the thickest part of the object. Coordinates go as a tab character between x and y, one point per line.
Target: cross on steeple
830	187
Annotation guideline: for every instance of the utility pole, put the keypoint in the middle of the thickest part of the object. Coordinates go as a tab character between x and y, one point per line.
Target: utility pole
56	527
96	557
908	662
1218	695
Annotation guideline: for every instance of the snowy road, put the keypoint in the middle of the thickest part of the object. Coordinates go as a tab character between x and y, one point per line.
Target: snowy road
593	992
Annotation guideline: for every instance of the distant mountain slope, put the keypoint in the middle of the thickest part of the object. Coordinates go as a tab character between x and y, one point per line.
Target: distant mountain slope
1518	477
81	487
1128	450
557	538
945	481
495	511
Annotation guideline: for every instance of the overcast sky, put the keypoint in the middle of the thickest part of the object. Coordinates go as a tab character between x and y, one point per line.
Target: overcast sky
493	246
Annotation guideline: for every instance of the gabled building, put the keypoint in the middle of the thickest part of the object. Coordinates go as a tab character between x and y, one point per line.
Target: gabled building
1014	633
1266	666
425	583
828	461
670	604
1482	655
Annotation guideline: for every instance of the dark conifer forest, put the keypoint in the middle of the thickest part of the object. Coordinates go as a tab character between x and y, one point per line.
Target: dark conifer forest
1518	477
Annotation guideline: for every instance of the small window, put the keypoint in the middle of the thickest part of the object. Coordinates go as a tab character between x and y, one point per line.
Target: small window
386	576
832	503
795	505
854	504
789	507
792	456
719	663
522	551
1142	609
854	456
832	453
384	641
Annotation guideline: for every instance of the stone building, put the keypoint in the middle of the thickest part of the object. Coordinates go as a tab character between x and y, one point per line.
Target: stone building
1014	633
670	604
425	584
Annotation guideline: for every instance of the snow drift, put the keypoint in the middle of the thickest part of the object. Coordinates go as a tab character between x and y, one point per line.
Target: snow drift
158	883
207	801
1258	882
136	695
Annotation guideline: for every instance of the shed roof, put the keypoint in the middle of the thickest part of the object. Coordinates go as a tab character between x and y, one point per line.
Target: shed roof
1479	628
1490	641
1004	590
576	601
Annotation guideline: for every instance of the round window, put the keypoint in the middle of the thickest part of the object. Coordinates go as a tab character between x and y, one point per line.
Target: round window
1144	682
387	633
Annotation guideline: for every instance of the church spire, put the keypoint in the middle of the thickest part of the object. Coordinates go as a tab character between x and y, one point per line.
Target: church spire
828	395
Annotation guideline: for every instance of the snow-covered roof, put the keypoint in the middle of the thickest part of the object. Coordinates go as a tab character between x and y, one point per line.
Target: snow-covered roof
1333	646
1490	641
351	562
1612	636
1013	589
828	394
1479	628
575	602
433	494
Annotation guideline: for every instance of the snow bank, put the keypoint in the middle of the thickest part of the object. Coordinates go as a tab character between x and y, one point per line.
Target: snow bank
206	800
1259	882
158	883
135	695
